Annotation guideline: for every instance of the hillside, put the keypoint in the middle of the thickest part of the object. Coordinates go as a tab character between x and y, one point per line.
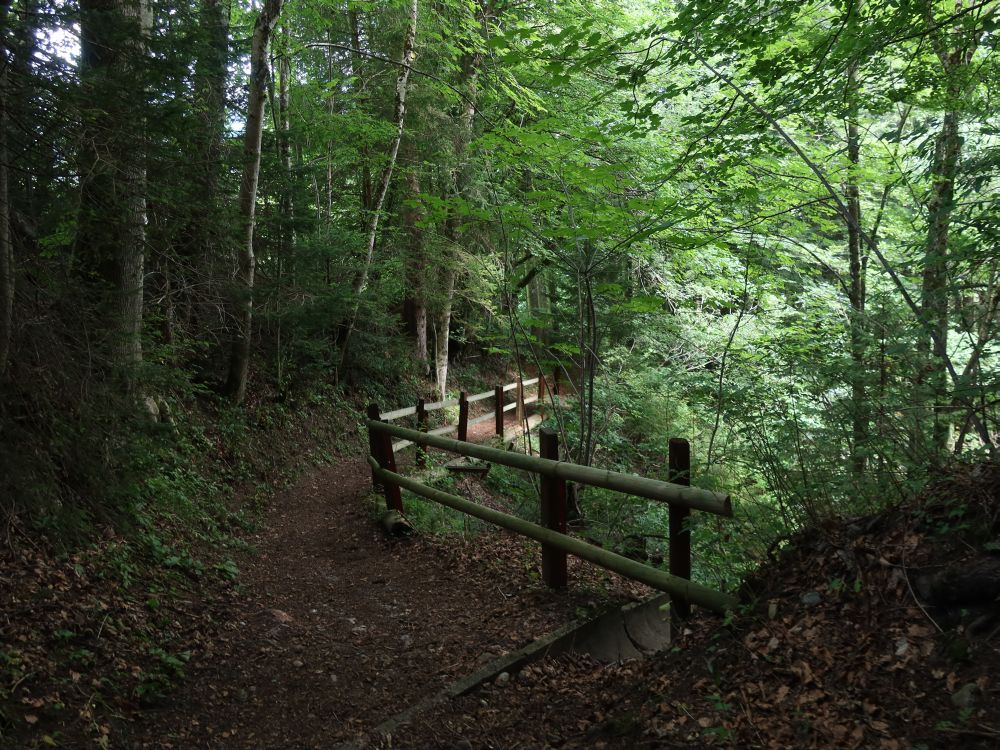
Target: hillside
332	629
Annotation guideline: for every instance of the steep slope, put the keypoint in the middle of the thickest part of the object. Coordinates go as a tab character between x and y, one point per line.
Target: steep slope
849	639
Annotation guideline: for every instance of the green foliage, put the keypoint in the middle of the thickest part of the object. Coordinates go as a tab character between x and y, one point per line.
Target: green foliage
650	200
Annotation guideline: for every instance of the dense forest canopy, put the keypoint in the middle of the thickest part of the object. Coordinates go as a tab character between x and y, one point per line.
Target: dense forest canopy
771	227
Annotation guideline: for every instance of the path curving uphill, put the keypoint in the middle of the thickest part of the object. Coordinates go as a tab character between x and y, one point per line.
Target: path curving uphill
337	628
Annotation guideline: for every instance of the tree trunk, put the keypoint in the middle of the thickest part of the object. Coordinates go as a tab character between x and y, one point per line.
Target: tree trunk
399	116
208	245
417	272
239	363
452	229
399	113
357	69
860	417
111	233
443	327
932	380
934	286
287	206
6	245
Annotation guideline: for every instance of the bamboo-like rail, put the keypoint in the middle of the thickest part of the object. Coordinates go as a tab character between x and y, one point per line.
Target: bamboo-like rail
409	411
680	588
421	409
688	497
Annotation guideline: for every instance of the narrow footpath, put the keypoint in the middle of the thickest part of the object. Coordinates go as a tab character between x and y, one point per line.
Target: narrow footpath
337	628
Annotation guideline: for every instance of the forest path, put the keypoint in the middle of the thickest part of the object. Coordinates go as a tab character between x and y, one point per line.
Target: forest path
335	628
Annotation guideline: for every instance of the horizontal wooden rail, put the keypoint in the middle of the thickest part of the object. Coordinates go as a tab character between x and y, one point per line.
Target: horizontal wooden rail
677	587
654	489
480	397
462	402
482	418
409	411
406	411
435	405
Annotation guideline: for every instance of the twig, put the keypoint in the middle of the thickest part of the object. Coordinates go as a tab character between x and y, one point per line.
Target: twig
906	577
988	733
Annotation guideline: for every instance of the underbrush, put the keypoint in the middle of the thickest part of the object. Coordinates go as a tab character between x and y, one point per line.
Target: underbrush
124	551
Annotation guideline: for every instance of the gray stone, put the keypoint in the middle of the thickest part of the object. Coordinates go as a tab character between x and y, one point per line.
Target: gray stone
811	599
965	696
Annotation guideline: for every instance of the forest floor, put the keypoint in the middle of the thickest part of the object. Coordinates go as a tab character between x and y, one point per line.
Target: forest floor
336	628
331	628
833	650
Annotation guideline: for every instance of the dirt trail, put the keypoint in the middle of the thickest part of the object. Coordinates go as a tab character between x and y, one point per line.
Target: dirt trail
337	628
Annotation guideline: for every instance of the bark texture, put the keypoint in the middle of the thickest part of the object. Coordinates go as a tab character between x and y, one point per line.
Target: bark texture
858	261
453	226
399	117
6	244
239	363
407	57
111	234
934	308
208	246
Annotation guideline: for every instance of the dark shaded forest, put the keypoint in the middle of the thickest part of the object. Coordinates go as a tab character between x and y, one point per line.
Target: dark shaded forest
772	228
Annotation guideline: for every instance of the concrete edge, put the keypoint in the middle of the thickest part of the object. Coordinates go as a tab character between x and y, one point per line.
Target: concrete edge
557	642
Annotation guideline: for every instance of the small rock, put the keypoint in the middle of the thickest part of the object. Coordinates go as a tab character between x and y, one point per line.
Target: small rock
463	745
298	664
965	696
811	599
406	641
502	679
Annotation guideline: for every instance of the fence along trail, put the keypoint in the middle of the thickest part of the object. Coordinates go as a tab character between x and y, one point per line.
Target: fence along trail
680	497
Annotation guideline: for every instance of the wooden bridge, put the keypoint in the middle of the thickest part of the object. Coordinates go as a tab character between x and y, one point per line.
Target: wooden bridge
554	473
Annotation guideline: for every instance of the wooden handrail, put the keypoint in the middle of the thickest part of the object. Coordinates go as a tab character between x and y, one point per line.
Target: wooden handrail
680	588
422	408
689	497
408	411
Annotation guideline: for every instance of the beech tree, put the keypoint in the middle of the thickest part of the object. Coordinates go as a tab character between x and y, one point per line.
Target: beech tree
772	229
239	363
111	233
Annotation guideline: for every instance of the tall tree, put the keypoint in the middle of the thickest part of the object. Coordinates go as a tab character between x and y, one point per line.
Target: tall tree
407	57
6	242
858	263
955	47
208	237
239	362
111	226
461	179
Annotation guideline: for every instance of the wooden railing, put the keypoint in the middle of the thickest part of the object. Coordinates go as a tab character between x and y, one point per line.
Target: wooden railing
556	543
422	409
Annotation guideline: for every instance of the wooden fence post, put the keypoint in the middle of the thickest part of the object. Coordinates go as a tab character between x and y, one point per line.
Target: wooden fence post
374	444
422	458
679	472
553	512
463	417
541	394
498	407
380	445
519	411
